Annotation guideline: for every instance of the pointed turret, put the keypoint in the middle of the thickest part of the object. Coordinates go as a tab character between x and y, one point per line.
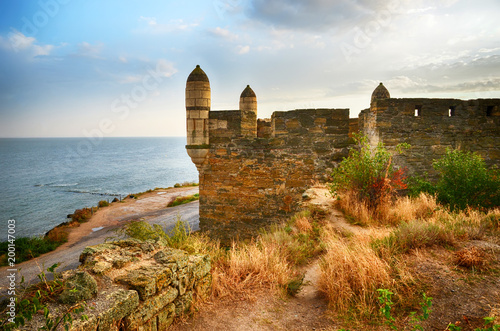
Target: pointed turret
197	115
380	93
248	108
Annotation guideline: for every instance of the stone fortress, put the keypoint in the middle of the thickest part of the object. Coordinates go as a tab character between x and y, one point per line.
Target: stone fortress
253	172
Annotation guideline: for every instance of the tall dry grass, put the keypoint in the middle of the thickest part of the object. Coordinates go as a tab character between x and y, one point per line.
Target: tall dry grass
270	261
388	212
406	209
351	273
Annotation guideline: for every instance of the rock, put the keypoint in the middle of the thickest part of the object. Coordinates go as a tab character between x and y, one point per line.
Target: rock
171	255
115	200
100	268
141	281
89	254
81	286
183	303
308	195
124	303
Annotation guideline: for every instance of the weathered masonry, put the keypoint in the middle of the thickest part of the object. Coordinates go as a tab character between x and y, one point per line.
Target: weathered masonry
253	171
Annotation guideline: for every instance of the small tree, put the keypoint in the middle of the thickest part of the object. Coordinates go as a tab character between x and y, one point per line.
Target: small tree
370	175
466	181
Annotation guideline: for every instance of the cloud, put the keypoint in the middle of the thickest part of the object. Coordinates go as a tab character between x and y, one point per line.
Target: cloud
243	49
309	15
223	33
88	50
165	68
150	20
175	25
18	42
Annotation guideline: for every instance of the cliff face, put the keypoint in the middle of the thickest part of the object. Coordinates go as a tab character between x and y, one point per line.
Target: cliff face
139	285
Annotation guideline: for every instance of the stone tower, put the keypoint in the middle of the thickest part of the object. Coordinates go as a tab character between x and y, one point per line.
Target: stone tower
248	109
197	116
380	93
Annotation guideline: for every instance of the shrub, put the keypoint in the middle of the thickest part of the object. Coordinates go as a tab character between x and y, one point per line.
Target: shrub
370	175
82	215
183	200
28	248
463	181
103	203
57	235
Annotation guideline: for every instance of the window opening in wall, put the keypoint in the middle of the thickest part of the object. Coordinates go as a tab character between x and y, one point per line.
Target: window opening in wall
418	110
489	111
451	112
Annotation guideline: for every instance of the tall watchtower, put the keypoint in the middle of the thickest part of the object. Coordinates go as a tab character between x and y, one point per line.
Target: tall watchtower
197	116
248	109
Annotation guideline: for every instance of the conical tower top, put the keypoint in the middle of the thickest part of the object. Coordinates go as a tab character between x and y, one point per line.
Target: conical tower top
198	75
380	93
248	92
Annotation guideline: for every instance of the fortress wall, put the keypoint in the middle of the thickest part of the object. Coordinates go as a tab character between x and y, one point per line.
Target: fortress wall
249	183
432	125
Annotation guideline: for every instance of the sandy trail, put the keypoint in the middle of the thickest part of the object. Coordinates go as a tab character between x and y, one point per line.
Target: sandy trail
150	207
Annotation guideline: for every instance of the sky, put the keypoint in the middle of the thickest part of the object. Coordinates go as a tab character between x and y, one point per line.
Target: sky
88	68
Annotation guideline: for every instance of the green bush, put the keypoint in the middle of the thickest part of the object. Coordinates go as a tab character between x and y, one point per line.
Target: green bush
103	203
369	174
464	180
27	248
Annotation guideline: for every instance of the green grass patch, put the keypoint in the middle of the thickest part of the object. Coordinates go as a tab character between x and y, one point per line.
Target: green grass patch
183	200
29	248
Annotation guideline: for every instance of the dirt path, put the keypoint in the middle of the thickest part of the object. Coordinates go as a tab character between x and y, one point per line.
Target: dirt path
150	207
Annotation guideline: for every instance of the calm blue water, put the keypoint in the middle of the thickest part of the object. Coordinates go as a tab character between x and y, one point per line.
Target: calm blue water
43	180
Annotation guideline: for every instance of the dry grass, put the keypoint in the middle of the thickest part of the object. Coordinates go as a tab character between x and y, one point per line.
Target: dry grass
356	212
351	275
268	262
403	209
252	266
471	257
303	224
406	209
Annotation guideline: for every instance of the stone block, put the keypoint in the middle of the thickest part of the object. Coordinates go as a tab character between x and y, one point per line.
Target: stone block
166	317
141	281
183	303
151	307
79	287
123	303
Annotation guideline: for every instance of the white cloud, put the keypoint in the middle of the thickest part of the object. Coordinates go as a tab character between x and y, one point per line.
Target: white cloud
149	20
223	33
18	42
165	68
122	59
243	49
154	27
86	49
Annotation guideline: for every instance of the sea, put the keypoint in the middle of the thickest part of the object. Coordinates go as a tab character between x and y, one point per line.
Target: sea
42	180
